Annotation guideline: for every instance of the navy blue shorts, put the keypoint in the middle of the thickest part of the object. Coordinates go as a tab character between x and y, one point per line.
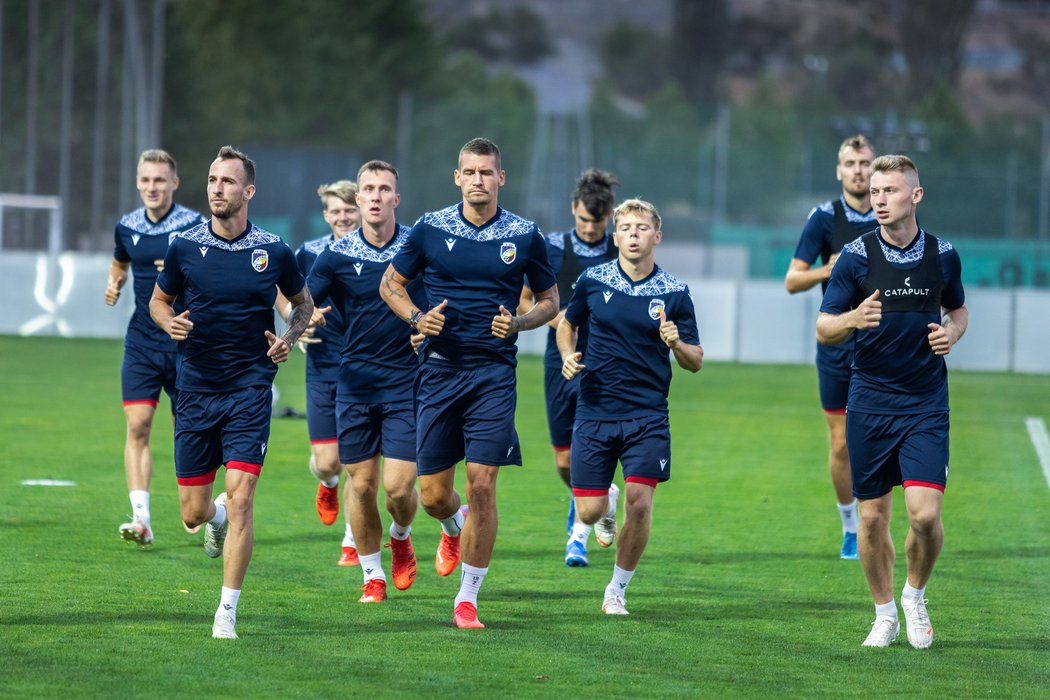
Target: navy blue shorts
465	413
366	430
833	374
641	445
143	373
231	428
561	399
890	450
320	411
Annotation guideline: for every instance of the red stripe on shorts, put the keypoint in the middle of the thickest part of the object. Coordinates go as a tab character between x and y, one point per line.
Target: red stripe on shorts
326	441
642	480
590	492
927	484
151	402
249	467
198	480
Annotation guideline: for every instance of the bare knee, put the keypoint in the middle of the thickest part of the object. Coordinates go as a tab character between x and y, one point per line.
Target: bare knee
925	521
435	496
139	428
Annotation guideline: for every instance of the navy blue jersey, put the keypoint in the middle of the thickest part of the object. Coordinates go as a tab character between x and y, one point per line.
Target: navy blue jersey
322	359
585	255
628	366
817	241
377	362
477	268
229	288
140	242
894	368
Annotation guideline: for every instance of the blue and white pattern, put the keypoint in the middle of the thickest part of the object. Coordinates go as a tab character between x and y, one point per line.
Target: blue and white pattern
353	245
507	226
315	246
582	250
179	218
609	274
255	237
852	216
895	255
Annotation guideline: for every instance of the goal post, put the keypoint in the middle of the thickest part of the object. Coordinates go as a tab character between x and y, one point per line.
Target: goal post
50	203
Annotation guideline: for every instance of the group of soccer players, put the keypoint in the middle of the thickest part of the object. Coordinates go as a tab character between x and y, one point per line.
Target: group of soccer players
424	321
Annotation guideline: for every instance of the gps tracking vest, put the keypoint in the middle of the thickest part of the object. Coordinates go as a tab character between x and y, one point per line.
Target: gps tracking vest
913	289
572	267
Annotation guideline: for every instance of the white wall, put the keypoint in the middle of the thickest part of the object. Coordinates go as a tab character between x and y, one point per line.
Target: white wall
740	320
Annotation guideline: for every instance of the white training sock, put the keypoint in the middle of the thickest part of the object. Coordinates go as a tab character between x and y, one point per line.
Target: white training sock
470	580
228	601
371	567
331	482
848	513
348	537
219	519
620	579
453	524
580	532
912	593
886	609
139	505
398	532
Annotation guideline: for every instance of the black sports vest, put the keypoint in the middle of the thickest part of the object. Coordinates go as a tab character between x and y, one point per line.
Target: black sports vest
915	289
844	231
572	267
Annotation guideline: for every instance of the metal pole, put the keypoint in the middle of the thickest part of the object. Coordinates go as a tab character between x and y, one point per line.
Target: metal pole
65	129
32	77
157	80
1044	182
721	174
98	147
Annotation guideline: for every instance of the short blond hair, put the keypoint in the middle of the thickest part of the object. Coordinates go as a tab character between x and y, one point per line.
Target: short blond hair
857	142
343	189
157	155
636	206
897	163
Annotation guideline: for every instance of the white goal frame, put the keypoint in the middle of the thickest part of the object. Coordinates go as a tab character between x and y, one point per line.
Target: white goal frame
50	203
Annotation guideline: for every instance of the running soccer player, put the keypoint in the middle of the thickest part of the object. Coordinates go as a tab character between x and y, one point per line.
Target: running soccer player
634	311
570	254
376	417
141	239
227	271
474	258
897	292
830	226
323	344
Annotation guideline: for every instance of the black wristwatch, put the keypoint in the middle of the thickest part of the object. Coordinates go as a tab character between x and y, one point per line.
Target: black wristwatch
414	318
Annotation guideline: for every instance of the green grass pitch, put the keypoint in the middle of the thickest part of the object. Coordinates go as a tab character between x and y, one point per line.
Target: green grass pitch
740	593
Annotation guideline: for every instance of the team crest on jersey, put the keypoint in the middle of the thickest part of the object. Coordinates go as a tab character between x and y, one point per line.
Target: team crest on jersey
135	239
507	252
655	307
260	259
358	267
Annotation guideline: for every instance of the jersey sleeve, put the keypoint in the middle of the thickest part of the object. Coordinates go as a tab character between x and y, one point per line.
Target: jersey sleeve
577	312
411	259
953	296
290	281
538	272
303	261
171	280
320	276
843	290
684	316
811	242
120	253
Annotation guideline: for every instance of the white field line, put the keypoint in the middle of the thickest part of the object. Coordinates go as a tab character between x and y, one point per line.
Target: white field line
1041	441
48	482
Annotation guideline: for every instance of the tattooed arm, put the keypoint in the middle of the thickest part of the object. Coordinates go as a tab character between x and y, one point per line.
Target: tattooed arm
298	320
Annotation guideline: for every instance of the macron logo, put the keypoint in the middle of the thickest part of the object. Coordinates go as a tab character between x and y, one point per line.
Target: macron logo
607	295
358	267
907	281
450	242
227	606
204	250
663	463
135	239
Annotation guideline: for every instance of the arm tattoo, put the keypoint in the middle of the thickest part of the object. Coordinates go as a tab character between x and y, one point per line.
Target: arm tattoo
392	289
298	320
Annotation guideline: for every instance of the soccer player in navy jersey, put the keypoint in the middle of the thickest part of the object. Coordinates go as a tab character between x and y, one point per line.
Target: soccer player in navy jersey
634	312
141	240
376	416
897	292
323	345
227	271
474	257
570	254
830	226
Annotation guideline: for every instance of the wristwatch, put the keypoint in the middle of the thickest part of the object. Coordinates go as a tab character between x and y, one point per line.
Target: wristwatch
414	318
